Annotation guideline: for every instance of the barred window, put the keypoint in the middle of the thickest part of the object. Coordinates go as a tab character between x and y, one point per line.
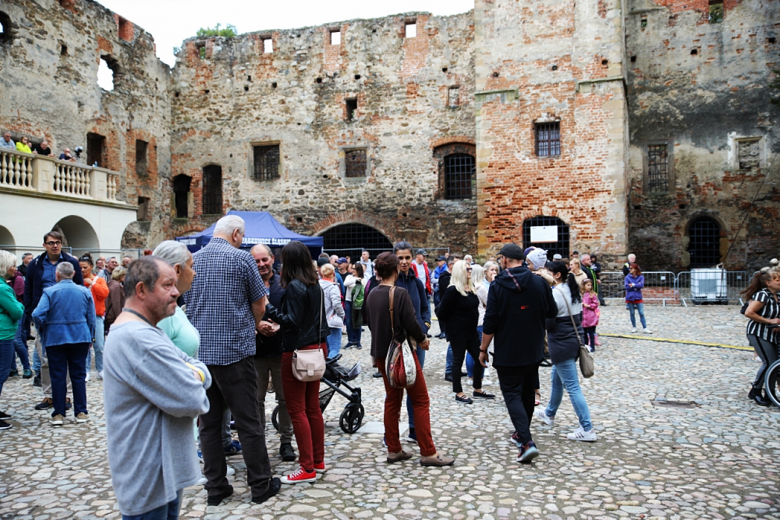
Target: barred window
658	168
548	139
459	176
355	163
266	165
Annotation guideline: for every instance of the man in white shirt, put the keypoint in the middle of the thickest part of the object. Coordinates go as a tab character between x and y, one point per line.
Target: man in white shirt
368	265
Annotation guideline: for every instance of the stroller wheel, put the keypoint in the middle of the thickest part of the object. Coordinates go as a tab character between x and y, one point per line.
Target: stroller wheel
352	417
275	418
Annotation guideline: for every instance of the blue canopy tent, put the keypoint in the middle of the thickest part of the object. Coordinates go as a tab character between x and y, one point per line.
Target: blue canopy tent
261	228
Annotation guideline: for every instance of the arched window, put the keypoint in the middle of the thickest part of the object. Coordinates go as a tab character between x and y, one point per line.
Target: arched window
704	242
547	228
212	189
181	192
457	171
351	239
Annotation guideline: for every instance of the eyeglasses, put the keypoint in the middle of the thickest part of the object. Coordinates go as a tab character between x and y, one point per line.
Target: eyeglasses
53	244
468	269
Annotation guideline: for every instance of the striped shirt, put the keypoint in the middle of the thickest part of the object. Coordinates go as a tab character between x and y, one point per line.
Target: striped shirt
770	310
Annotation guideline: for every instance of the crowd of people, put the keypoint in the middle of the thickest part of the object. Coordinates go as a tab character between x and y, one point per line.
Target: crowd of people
42	148
173	378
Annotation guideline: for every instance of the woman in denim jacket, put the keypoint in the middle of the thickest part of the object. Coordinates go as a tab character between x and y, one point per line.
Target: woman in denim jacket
634	282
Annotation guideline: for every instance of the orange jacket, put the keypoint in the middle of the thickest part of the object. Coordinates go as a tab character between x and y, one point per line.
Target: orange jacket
99	294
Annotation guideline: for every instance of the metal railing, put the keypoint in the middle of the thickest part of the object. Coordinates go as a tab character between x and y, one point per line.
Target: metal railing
34	173
666	287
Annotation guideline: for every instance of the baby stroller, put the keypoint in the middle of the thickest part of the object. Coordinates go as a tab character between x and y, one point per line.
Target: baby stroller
335	377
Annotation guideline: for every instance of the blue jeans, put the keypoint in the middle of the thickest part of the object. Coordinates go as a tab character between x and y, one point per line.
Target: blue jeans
334	342
409	409
36	364
448	366
64	359
169	511
20	345
641	309
100	339
470	361
6	360
564	374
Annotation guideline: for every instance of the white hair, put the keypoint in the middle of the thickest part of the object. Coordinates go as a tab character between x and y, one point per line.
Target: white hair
477	275
65	270
228	224
7	260
174	252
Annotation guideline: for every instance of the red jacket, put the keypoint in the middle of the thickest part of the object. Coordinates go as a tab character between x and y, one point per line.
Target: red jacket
428	287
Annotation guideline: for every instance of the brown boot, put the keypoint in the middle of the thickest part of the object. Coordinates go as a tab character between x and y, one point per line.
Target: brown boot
437	460
398	457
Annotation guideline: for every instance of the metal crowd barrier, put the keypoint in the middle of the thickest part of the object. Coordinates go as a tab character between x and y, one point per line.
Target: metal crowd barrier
665	287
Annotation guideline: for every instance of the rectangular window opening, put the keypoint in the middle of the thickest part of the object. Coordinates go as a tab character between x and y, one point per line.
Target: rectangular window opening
96	144
268	46
144	212
141	162
548	139
716	11
658	168
356	163
266	162
410	29
453	97
352	105
335	37
201	48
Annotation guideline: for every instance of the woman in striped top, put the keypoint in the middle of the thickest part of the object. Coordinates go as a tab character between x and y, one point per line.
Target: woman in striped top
763	311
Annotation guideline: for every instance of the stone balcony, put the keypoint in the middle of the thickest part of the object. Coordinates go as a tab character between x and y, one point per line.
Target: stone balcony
34	175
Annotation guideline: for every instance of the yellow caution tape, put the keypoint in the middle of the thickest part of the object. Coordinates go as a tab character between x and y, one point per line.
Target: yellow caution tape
685	341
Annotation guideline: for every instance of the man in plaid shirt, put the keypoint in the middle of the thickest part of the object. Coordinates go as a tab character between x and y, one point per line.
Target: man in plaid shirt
226	302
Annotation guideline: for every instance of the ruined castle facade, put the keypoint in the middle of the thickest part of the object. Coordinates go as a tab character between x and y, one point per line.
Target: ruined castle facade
609	126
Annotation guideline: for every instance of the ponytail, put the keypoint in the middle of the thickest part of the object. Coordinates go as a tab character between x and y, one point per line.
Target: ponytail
574	287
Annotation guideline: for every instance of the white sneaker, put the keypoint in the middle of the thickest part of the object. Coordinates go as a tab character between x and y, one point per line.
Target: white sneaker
230	472
582	435
471	382
648	331
487	382
546	419
633	331
87	378
100	375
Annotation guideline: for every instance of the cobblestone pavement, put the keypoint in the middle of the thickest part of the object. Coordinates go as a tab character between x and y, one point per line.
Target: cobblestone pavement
718	459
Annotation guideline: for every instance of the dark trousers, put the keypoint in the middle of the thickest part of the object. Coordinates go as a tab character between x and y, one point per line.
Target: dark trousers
518	385
236	385
418	394
768	352
63	359
459	348
303	405
590	337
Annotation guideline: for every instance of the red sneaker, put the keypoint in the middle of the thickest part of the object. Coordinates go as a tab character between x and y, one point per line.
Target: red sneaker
299	476
319	467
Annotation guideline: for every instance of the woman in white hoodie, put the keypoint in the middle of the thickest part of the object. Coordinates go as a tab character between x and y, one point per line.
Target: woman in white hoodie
334	312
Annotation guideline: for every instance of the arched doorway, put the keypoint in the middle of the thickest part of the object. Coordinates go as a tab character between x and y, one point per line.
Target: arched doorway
547	228
704	242
351	239
79	234
6	239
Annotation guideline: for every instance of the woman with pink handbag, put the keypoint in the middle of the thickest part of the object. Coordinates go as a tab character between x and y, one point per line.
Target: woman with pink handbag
303	330
384	331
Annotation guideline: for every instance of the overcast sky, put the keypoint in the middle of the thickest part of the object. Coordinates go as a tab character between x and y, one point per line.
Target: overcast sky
172	21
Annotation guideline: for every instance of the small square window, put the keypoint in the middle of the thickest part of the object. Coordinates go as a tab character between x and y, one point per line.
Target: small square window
548	139
410	29
335	37
351	107
144	213
268	46
355	163
453	97
266	162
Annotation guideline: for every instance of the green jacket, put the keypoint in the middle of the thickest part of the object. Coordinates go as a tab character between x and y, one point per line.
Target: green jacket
10	312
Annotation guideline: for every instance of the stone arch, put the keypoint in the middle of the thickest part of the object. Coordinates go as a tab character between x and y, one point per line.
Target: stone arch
79	235
704	242
350	239
6	238
384	226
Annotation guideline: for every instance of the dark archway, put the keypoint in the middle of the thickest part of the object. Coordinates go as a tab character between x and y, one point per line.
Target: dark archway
704	242
212	189
351	239
561	246
79	234
181	193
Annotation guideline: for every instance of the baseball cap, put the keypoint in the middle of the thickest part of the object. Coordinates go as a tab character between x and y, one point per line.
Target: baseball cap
341	260
322	261
422	252
512	251
441	258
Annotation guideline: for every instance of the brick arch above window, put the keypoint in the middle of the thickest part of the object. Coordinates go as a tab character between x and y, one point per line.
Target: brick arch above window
457	170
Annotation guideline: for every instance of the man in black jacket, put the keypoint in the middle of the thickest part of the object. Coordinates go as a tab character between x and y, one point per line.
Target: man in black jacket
518	305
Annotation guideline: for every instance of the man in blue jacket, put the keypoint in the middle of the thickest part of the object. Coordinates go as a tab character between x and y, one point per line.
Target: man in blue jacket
65	320
422	309
41	275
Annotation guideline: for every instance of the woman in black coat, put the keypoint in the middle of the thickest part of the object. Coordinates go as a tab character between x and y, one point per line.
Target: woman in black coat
459	310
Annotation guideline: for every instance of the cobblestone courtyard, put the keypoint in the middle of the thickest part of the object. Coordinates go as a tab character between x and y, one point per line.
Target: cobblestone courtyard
718	459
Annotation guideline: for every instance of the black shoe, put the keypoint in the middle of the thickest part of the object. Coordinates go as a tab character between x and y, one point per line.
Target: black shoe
448	377
68	404
4	425
45	404
429	335
215	500
464	374
37	381
273	488
287	452
545	363
463	399
13	373
4	416
30	338
378	374
756	395
441	335
484	395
